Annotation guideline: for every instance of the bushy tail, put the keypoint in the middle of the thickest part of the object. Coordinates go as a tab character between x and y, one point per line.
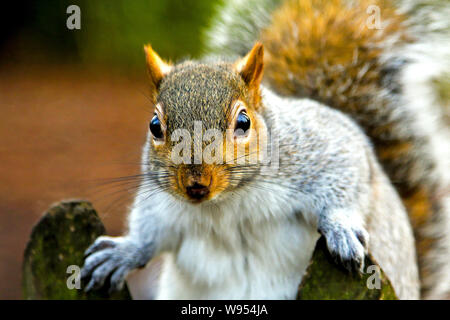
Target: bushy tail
379	62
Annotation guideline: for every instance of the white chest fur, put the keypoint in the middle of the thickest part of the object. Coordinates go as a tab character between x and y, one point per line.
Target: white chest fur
237	252
268	264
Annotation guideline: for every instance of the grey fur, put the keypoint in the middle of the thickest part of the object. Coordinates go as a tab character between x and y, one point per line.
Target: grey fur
409	106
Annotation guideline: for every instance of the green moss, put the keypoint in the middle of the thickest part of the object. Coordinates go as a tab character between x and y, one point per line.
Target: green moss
325	280
57	242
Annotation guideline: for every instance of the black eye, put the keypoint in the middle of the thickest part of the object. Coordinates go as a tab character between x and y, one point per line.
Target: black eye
155	128
242	124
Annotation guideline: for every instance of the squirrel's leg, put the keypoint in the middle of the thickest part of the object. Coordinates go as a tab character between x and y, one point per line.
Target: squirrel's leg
118	256
115	256
345	235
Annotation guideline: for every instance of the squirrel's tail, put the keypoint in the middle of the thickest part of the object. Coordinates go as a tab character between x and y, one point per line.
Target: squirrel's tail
380	62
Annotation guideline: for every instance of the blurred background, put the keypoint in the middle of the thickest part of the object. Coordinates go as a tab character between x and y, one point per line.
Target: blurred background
73	106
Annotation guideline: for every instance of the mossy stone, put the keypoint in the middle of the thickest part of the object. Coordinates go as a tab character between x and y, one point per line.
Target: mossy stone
58	241
327	280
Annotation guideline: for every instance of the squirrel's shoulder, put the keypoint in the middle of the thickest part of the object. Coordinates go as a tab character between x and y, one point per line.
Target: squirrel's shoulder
297	113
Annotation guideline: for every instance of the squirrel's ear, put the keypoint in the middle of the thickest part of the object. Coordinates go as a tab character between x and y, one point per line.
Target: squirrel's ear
251	66
156	67
251	70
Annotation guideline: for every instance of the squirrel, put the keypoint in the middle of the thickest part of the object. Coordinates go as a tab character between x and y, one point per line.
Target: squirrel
357	155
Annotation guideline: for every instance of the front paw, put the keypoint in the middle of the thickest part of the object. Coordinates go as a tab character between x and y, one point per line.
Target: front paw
348	245
110	257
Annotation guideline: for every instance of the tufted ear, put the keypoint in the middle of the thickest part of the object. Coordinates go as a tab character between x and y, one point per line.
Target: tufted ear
251	69
156	67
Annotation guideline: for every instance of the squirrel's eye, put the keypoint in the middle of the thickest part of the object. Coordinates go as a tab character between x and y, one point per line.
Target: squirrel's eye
242	124
155	128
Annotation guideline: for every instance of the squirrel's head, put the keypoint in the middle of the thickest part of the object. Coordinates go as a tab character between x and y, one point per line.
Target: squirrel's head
207	128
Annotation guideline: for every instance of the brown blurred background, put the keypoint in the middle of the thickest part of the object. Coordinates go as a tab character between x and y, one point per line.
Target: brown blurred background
73	106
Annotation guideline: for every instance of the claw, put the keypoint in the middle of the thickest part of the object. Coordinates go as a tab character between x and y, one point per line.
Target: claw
93	261
118	279
89	286
361	238
99	244
347	247
100	274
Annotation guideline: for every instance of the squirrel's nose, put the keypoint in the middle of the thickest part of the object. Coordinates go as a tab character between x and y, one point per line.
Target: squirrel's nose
197	191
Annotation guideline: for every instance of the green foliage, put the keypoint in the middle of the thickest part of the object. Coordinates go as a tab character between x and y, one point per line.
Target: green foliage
113	32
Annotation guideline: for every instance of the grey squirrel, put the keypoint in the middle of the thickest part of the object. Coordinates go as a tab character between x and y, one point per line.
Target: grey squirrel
236	226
